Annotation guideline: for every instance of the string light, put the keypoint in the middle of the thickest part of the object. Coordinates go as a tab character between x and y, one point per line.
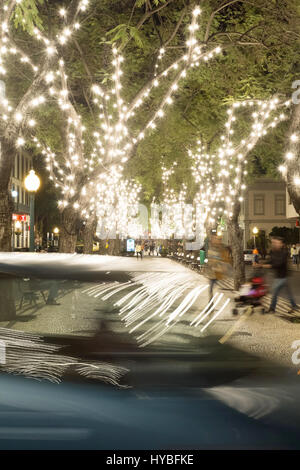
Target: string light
287	170
91	180
221	176
113	142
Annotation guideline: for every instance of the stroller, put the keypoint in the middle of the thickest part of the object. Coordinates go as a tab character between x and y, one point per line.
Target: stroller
251	294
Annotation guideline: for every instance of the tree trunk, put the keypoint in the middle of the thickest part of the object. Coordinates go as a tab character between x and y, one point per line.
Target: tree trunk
293	165
88	235
6	204
69	231
117	249
114	248
6	209
236	244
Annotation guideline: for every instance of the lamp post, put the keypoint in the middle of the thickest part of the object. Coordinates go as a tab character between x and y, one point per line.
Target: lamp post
56	235
255	232
32	184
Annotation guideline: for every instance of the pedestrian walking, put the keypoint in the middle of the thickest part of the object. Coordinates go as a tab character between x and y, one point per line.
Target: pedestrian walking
255	255
145	248
139	250
279	264
294	254
152	246
218	261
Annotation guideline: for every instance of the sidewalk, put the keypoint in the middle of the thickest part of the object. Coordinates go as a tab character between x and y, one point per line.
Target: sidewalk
294	267
74	315
159	289
269	336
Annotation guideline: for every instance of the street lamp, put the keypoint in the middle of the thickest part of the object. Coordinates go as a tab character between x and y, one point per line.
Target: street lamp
32	184
56	236
255	232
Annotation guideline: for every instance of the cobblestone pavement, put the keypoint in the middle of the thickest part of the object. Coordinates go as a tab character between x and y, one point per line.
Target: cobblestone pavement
165	304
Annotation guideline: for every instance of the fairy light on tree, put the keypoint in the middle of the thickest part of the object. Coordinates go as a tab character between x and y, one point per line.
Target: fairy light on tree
222	176
207	201
114	139
265	115
16	115
176	216
117	208
162	222
290	169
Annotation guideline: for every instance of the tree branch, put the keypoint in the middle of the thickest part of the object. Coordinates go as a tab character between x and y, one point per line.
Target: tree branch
213	14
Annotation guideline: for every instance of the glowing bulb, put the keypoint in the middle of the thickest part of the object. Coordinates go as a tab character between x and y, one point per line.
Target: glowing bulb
20	142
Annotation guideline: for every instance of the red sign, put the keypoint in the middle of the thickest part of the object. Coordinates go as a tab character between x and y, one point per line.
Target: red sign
20	217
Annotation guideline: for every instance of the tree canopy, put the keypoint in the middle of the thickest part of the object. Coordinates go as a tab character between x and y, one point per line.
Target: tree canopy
260	58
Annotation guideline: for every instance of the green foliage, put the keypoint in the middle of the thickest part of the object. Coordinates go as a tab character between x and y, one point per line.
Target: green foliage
137	36
290	235
123	32
261	243
260	42
26	15
120	33
140	3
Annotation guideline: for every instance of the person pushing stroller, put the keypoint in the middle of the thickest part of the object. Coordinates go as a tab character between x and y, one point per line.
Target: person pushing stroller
251	293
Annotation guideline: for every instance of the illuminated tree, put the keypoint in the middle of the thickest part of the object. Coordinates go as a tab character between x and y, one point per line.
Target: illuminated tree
208	198
290	169
233	155
17	111
77	170
175	220
221	176
117	209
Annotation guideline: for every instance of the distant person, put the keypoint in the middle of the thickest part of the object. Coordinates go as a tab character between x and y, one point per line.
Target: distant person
279	264
152	247
139	250
255	255
294	254
158	249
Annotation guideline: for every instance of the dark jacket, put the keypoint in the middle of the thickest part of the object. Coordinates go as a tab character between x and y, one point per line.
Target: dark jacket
279	261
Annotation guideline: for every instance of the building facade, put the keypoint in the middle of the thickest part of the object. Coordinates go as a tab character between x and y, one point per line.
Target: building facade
21	200
265	207
20	217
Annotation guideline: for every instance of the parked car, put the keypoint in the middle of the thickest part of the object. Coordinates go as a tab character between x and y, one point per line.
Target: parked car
248	256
